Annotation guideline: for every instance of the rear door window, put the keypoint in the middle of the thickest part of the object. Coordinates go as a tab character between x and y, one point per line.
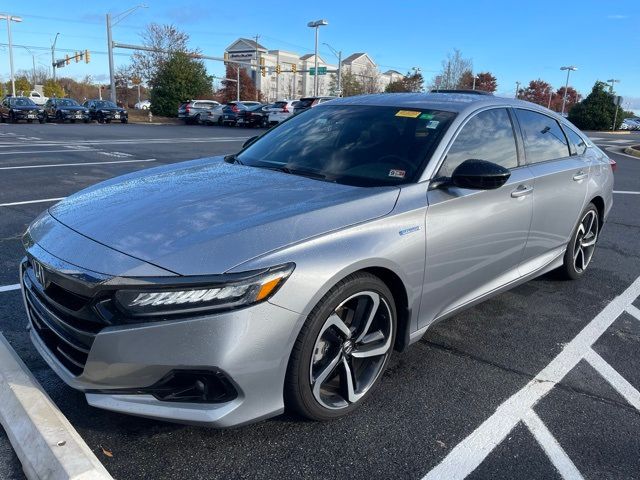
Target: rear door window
544	140
577	145
487	136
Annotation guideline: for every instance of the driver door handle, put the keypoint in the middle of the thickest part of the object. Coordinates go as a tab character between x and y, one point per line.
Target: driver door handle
581	175
522	190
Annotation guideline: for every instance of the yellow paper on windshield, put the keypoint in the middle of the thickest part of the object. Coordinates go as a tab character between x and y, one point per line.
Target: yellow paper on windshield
407	113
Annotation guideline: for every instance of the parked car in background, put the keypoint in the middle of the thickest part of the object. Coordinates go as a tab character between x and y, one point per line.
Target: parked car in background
105	111
37	97
306	103
630	124
214	116
62	109
232	109
143	105
14	109
280	111
196	111
253	116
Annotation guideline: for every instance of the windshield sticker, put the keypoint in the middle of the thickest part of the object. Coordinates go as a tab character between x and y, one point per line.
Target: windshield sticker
426	116
397	173
433	124
407	113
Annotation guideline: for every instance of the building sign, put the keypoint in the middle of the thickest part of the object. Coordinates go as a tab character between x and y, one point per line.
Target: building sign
241	55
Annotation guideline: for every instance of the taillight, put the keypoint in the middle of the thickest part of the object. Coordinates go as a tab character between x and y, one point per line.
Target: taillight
285	110
234	108
187	109
613	164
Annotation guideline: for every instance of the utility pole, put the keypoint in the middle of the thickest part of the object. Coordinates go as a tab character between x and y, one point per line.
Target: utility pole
569	69
53	56
112	77
11	18
339	55
257	70
238	83
474	83
550	95
277	77
517	89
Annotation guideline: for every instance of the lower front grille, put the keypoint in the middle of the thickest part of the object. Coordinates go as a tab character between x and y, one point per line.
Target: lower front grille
68	337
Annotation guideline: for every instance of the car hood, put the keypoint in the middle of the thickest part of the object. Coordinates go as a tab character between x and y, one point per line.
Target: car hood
71	109
207	216
25	107
111	109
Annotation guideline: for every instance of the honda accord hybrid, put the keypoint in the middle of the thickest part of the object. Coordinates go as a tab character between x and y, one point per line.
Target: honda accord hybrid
222	290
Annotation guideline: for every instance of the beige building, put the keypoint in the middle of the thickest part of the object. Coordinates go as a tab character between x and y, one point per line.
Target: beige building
294	80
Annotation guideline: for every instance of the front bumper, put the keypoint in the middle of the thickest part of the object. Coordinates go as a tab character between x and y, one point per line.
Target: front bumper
250	347
26	115
74	115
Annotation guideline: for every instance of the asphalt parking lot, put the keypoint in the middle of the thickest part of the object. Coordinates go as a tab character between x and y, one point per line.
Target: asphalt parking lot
539	382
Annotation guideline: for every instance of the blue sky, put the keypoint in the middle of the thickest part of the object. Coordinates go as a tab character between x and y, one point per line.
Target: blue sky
517	41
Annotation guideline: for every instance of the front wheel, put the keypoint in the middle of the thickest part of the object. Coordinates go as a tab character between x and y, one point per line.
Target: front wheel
342	349
582	245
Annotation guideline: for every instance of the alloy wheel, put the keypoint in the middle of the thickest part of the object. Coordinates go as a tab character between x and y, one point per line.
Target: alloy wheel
351	350
585	241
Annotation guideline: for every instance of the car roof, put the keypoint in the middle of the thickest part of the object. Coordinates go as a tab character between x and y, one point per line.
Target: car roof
450	102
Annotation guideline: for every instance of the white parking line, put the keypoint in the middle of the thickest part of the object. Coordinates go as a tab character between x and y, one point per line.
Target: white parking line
626	192
20	167
9	288
31	201
469	454
616	380
42	151
128	141
551	447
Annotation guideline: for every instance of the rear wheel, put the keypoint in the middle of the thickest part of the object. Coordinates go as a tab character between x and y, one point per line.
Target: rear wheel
582	245
220	122
342	349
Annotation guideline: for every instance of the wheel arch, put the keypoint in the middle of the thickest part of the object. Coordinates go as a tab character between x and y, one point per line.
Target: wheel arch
598	201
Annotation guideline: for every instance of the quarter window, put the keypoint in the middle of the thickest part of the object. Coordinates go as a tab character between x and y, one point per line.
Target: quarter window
543	137
577	145
487	136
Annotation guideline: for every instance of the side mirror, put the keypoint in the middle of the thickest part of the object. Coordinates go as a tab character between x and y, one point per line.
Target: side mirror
479	175
250	141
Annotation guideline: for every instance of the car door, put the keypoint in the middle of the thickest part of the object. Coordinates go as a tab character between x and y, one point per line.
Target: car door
475	238
49	107
560	187
3	109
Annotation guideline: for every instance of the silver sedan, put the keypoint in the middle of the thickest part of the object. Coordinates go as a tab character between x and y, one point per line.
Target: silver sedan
221	291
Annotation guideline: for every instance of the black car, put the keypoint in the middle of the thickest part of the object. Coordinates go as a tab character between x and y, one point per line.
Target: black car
14	109
231	111
105	111
253	116
306	103
62	109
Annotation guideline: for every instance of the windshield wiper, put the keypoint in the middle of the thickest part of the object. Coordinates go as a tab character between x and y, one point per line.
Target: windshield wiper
233	158
300	172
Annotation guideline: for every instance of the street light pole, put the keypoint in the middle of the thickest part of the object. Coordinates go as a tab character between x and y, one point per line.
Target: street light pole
517	89
569	69
110	23
612	81
550	95
53	56
317	24
11	18
339	55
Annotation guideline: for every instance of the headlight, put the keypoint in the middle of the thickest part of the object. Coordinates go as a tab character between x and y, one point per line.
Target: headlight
238	290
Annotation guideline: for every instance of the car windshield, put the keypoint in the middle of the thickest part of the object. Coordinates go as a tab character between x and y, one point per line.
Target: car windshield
67	102
105	104
22	102
354	145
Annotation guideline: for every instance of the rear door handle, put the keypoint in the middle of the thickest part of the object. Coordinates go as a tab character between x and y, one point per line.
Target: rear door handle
581	175
521	191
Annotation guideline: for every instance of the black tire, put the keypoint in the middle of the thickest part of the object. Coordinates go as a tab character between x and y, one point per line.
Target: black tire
72	121
100	118
220	122
29	121
580	249
124	120
87	120
298	391
107	120
42	120
198	120
59	117
12	118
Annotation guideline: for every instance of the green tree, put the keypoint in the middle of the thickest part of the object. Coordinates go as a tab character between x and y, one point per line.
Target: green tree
409	83
23	86
485	81
597	111
351	84
52	89
180	78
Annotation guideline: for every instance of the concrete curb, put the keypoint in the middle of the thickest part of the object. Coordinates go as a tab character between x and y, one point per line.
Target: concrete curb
47	445
634	151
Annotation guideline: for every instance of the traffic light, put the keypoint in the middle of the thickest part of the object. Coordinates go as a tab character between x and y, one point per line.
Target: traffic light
264	71
294	68
76	56
87	56
67	61
278	69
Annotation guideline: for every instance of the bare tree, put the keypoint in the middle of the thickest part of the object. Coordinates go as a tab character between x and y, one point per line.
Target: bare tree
371	80
165	40
453	69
